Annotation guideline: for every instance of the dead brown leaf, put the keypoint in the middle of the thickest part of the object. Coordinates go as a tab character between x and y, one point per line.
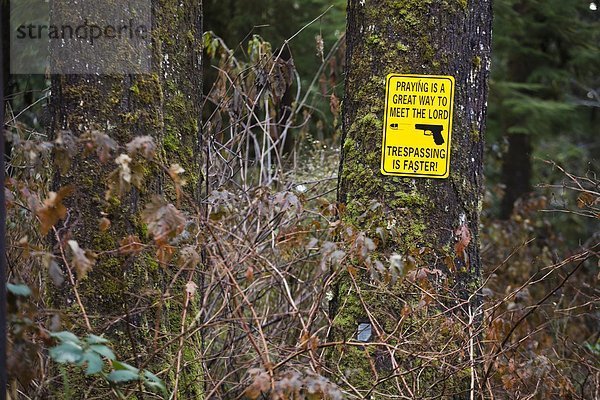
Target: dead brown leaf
53	210
83	260
143	145
163	219
101	142
260	384
130	245
464	238
104	224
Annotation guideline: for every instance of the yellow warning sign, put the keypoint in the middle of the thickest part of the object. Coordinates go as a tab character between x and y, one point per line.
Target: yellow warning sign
417	127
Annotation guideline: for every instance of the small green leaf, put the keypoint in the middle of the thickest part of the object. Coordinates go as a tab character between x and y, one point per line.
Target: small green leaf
66	352
65	336
156	386
19	290
93	339
122	375
150	376
103	350
94	363
119	365
154	382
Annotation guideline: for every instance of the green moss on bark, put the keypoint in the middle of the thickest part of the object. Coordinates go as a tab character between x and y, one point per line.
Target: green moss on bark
419	215
164	104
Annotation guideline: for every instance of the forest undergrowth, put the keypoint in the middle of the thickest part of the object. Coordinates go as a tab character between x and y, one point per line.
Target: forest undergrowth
251	268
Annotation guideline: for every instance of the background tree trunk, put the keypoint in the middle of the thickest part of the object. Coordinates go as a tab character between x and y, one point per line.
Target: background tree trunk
516	171
517	166
423	220
123	295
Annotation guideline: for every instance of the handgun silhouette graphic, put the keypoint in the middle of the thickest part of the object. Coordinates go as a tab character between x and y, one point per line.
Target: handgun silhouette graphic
432	130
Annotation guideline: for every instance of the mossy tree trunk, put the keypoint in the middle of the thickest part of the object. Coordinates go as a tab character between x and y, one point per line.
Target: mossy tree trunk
123	295
425	346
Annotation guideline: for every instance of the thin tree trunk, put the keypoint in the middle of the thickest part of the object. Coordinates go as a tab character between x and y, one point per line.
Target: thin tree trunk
516	171
516	163
424	222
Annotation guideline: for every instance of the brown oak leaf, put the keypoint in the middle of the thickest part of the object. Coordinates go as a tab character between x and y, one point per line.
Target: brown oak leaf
53	210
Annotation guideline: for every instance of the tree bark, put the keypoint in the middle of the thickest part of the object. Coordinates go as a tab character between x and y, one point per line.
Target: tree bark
423	221
516	163
123	294
516	171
